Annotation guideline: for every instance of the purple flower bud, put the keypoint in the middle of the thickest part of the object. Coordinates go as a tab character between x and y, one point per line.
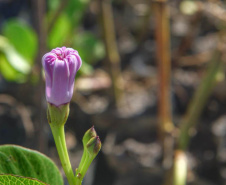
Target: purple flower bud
61	66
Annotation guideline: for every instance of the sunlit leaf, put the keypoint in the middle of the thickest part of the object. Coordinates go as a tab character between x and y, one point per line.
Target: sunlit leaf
12	65
15	59
22	37
24	162
16	180
8	72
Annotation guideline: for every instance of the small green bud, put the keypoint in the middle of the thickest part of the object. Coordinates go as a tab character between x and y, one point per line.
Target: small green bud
93	146
57	115
88	135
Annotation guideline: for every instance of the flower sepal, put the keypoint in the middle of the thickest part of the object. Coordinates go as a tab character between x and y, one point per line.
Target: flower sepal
91	147
57	115
89	135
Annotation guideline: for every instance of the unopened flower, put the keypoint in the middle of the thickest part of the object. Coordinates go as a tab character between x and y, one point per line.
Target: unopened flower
93	146
60	66
91	149
88	135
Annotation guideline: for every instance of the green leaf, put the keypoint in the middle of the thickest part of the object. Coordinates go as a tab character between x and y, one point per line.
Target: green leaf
59	32
21	161
13	66
88	43
8	72
17	180
22	37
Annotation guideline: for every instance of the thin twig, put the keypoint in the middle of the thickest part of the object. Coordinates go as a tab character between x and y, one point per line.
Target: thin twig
164	73
113	57
193	113
199	100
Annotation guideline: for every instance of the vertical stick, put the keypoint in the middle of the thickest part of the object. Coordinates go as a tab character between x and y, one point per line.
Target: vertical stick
39	13
164	72
199	99
113	57
194	111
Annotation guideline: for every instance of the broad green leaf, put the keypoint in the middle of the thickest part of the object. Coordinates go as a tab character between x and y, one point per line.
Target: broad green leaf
22	37
8	72
16	60
24	162
12	65
60	31
17	180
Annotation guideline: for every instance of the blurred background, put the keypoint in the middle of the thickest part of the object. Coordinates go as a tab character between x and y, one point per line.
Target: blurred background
152	83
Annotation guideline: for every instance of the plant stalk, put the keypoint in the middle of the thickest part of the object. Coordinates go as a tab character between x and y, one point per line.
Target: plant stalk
162	33
199	99
59	138
78	181
194	111
113	57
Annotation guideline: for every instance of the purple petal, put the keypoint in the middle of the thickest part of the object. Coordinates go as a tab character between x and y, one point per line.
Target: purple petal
59	91
61	66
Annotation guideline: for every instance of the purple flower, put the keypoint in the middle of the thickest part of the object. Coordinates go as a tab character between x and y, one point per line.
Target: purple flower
60	65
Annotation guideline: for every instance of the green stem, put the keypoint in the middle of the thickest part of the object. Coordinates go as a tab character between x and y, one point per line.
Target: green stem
199	100
79	176
78	180
82	162
59	137
82	169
